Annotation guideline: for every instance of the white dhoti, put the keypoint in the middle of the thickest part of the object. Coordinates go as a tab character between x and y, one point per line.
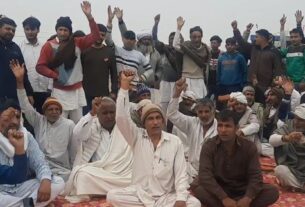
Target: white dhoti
132	196
166	93
286	177
112	171
155	95
197	86
29	189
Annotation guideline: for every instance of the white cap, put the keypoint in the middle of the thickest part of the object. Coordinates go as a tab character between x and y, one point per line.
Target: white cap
240	97
189	95
143	103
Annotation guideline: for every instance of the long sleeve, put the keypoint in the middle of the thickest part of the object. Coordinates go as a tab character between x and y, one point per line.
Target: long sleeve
88	40
31	114
14	174
219	70
276	140
255	178
155	33
246	35
46	55
37	161
283	40
176	41
244	45
108	40
299	26
122	27
81	131
114	75
181	121
181	177
206	172
252	127
123	119
244	69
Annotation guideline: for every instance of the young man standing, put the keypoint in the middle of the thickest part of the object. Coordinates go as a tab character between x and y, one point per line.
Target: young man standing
60	59
30	48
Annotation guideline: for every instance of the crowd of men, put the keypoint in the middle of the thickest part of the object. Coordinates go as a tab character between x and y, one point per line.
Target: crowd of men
150	123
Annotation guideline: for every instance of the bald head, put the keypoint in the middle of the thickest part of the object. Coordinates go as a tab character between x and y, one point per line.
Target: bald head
106	113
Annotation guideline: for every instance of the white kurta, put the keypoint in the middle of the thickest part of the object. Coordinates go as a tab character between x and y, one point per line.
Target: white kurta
111	171
159	176
54	140
193	128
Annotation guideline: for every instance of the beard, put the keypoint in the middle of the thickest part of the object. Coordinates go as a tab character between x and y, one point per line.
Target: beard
145	49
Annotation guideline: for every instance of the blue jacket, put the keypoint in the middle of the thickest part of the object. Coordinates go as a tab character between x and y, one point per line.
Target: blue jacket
8	89
14	174
232	69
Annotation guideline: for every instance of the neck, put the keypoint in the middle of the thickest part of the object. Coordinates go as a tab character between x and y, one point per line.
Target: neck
215	50
129	49
229	145
33	41
262	46
207	126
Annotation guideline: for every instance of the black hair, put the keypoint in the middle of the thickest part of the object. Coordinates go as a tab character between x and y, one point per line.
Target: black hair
196	29
296	31
102	28
6	103
130	35
32	22
216	38
6	20
79	33
205	102
227	115
231	41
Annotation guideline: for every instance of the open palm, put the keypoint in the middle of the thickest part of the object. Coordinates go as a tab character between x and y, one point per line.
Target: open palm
86	7
17	69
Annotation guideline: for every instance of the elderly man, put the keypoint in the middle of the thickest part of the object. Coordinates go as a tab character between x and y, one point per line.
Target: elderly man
159	169
137	112
53	132
60	59
198	129
248	122
288	143
40	186
230	173
196	57
104	159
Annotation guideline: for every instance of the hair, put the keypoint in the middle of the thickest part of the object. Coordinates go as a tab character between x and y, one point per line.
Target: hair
102	28
32	22
296	31
231	41
79	33
108	99
205	102
6	20
227	115
6	103
216	38
196	29
130	35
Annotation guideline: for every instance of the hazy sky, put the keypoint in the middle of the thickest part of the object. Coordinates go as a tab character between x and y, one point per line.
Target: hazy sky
214	16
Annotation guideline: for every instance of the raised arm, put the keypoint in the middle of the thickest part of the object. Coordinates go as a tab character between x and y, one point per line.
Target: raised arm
88	40
180	120
176	41
31	114
299	18
155	28
108	39
244	45
122	25
123	119
283	40
247	32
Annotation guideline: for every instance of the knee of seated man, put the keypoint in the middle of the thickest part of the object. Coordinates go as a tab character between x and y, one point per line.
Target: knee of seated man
281	171
112	196
58	184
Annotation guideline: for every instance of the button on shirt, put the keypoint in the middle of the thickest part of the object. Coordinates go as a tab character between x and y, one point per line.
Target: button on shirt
31	54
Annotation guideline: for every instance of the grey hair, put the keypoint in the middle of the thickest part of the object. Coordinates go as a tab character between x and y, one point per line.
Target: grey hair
106	98
205	102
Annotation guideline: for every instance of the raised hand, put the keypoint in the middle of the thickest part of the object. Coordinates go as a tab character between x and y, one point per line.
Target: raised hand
299	17
234	25
157	18
86	7
118	13
111	14
249	27
18	70
126	77
283	20
287	85
17	140
96	103
180	86
180	23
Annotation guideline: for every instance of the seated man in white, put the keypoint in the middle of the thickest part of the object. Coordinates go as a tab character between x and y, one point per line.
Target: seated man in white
288	142
40	186
248	123
53	132
104	159
198	129
159	176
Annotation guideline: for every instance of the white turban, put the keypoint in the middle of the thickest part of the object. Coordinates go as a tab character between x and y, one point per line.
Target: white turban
142	35
240	97
189	95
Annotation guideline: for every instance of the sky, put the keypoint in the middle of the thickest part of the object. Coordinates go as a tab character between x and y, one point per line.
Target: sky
213	16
